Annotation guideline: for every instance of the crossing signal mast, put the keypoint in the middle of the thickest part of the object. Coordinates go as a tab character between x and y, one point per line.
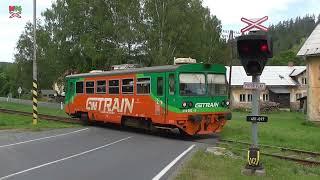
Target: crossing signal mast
254	49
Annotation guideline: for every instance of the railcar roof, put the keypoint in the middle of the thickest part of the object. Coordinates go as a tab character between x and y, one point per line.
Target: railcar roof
128	71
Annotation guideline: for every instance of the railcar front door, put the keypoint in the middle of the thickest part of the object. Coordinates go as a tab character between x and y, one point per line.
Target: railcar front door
160	106
170	94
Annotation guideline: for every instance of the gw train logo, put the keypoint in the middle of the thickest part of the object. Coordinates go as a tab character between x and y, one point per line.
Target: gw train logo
110	105
206	105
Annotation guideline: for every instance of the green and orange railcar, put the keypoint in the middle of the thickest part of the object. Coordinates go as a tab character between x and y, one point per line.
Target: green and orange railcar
188	97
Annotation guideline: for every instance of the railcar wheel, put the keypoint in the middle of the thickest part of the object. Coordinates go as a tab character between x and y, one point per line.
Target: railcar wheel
85	119
183	133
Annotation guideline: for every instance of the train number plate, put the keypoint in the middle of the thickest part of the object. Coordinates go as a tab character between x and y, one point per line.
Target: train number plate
257	118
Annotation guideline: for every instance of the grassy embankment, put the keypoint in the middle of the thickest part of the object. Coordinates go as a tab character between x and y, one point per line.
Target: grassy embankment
28	108
9	121
283	129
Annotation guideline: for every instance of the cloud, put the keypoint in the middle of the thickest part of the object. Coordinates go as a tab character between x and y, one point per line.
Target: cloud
230	12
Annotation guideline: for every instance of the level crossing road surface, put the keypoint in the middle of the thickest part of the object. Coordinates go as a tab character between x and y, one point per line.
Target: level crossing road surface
91	153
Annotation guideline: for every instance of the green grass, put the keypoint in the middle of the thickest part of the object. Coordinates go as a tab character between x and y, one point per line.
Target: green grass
28	108
288	129
9	121
205	166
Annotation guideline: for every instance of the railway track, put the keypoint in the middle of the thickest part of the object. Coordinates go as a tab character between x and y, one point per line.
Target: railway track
221	141
297	155
41	116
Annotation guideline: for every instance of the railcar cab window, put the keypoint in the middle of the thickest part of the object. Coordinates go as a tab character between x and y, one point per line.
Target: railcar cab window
90	87
101	87
113	86
171	84
143	86
192	84
127	86
79	87
216	84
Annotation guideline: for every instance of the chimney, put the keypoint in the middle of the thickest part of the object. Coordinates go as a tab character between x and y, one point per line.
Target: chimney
290	64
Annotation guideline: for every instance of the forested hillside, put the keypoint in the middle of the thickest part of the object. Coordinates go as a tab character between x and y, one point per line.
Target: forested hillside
288	37
78	36
85	35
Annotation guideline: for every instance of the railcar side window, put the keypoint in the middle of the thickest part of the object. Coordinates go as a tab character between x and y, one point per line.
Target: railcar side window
113	86
101	87
143	86
90	87
171	84
192	84
160	86
79	87
127	86
217	84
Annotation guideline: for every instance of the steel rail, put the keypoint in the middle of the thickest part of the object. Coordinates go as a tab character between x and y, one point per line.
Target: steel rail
276	147
41	116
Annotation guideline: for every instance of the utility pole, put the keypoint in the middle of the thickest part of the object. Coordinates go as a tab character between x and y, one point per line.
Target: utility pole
230	65
34	66
255	110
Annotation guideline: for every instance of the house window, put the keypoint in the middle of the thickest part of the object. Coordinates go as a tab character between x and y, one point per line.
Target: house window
143	86
265	97
298	96
90	87
249	97
101	87
242	98
113	86
79	87
127	86
304	81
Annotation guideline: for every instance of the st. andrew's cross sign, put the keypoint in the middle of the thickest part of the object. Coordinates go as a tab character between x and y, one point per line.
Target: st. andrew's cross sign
254	24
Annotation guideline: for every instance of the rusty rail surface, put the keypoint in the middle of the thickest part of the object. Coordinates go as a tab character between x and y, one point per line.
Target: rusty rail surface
275	147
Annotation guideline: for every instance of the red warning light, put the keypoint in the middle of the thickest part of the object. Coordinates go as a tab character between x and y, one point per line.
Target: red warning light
264	48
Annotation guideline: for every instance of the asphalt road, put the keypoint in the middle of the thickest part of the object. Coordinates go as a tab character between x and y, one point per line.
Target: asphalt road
90	153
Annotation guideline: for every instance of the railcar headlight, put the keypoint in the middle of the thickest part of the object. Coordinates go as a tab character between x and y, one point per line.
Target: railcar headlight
190	104
184	104
225	103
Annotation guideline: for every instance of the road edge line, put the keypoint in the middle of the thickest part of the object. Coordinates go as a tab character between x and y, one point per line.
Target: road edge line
172	163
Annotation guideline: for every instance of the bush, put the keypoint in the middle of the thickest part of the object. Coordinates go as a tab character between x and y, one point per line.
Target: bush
268	106
241	107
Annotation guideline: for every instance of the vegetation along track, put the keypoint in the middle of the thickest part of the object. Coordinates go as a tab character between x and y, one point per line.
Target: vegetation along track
41	116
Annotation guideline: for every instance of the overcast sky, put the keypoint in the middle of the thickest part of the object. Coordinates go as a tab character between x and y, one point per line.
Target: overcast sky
228	11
